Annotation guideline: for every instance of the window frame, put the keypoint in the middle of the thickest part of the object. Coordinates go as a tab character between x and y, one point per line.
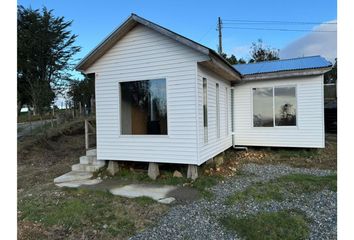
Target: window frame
273	87
121	135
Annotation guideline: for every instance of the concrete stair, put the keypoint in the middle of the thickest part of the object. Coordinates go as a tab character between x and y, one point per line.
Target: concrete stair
88	167
82	172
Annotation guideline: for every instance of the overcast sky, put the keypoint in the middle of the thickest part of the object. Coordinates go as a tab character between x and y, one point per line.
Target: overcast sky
314	43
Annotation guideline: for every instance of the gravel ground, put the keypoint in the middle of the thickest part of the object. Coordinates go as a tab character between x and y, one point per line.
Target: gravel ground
198	220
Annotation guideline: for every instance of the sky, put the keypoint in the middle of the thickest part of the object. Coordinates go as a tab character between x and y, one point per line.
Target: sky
197	20
94	20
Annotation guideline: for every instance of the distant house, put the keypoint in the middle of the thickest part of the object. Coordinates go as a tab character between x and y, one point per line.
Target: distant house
163	98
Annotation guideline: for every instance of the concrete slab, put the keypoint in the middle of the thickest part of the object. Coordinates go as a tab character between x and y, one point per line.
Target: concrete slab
155	192
167	200
76	184
73	176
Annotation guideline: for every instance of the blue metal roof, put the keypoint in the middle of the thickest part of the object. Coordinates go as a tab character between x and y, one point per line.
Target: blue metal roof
302	63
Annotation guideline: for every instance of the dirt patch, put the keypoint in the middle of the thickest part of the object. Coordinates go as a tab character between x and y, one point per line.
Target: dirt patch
325	158
184	194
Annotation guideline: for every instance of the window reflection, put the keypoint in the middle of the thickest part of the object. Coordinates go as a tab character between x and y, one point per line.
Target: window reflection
263	107
144	107
285	106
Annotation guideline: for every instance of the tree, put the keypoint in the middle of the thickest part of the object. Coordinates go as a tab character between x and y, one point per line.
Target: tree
232	59
331	76
259	52
45	47
81	91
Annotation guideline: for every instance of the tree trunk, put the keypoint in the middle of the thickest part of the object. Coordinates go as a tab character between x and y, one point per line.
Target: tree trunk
19	107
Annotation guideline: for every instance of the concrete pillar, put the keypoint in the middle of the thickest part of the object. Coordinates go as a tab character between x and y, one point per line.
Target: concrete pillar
113	167
192	171
153	170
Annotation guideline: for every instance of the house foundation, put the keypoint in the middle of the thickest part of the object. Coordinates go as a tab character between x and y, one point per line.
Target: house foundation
153	170
113	167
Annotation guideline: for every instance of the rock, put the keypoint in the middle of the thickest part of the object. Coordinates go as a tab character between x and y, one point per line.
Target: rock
113	167
219	160
177	174
166	200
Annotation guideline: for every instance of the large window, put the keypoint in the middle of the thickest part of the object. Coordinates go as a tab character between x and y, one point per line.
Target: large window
143	107
274	106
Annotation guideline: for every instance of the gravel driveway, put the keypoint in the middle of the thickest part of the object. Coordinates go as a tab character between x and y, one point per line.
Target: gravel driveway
198	220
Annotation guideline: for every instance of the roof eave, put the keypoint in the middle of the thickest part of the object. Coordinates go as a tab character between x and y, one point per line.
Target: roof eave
286	74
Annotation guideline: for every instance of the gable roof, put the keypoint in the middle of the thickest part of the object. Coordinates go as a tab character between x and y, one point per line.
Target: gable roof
302	63
131	22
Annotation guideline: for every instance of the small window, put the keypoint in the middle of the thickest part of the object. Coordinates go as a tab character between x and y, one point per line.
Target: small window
217	111
205	109
227	110
143	108
285	106
263	107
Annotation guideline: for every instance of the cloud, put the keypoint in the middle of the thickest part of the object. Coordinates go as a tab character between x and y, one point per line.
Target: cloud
314	43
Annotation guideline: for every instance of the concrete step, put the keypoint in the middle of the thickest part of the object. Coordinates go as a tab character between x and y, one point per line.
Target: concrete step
88	159
73	176
88	167
78	183
91	152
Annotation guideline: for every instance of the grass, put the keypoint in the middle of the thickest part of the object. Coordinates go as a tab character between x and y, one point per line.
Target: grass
282	225
279	188
48	212
81	209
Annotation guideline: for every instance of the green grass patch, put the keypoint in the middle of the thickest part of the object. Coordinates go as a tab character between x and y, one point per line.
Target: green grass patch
259	192
296	153
144	200
299	183
79	209
277	189
284	225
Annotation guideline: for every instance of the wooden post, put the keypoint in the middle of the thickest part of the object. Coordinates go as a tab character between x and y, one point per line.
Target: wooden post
86	135
80	109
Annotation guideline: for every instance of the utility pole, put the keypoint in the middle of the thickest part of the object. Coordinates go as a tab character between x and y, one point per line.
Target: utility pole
220	35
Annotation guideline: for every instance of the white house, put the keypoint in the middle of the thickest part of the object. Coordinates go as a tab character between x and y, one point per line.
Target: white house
163	98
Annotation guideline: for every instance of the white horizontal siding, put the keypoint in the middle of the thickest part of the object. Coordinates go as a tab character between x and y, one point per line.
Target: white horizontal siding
144	54
215	144
309	131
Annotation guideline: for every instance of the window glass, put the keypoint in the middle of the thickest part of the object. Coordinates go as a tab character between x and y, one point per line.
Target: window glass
205	109
144	107
217	111
285	106
263	107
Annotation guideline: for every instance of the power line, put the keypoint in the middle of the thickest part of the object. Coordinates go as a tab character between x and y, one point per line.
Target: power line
206	33
238	21
280	29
